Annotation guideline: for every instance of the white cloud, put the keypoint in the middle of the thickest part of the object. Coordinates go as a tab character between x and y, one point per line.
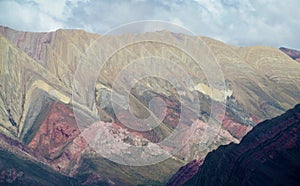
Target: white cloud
54	8
27	16
256	22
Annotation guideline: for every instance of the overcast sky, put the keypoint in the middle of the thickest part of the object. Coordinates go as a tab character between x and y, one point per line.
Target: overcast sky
238	22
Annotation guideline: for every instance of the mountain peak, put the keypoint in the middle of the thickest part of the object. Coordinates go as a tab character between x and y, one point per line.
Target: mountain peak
294	54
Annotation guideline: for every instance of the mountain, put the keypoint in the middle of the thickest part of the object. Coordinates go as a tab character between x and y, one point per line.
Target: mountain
267	155
47	106
294	54
17	167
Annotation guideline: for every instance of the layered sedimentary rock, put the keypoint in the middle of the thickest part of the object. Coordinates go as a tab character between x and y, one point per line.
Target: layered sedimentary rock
268	155
18	166
37	84
294	54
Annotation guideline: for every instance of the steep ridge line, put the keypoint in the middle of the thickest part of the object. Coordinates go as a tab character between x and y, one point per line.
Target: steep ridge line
269	154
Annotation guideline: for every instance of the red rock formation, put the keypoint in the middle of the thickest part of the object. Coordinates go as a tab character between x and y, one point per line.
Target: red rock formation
55	142
236	129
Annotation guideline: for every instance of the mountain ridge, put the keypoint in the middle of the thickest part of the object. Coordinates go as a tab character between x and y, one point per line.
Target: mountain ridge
36	81
269	154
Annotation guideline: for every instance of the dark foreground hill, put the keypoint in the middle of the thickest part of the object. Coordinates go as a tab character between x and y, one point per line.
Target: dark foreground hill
267	155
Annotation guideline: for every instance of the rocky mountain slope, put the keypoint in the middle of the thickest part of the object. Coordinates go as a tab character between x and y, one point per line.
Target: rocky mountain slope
268	155
294	54
19	167
37	110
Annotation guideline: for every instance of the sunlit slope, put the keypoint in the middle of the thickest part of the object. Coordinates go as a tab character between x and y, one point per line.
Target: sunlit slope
37	75
20	77
264	80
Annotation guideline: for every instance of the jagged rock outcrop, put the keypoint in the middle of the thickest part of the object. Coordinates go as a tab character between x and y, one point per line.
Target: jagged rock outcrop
268	155
56	132
294	54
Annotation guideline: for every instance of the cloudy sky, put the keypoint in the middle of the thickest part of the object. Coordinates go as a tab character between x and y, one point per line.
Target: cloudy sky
238	22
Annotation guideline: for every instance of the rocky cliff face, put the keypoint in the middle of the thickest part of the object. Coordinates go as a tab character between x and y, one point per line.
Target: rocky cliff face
268	155
37	111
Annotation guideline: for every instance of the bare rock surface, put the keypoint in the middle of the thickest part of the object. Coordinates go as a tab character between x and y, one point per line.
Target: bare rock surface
37	111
